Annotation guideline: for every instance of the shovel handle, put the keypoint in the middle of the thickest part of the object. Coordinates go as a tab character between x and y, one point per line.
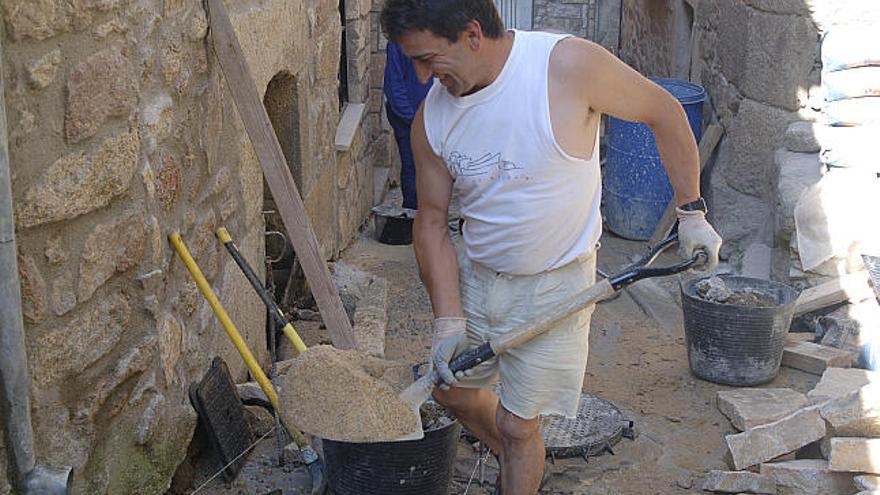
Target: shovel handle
532	328
599	291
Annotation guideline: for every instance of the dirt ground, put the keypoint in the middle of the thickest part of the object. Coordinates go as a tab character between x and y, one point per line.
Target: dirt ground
638	362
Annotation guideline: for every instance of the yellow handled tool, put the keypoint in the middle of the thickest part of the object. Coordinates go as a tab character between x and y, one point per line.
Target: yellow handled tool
237	341
274	310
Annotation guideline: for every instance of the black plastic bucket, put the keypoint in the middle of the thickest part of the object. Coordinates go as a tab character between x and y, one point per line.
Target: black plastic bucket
415	467
737	345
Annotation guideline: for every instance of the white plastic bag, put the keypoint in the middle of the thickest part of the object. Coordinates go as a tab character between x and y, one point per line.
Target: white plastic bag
836	215
848	46
851	83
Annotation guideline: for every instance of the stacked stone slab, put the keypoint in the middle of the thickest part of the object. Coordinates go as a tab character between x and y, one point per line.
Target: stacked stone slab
842	412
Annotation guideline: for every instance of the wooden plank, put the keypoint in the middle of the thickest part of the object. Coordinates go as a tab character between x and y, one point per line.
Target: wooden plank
709	141
850	287
284	191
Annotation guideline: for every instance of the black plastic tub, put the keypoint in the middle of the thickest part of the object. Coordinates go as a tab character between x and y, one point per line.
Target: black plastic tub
737	345
414	467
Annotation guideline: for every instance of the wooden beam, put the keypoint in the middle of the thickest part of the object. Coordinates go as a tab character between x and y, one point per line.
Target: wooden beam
710	139
284	191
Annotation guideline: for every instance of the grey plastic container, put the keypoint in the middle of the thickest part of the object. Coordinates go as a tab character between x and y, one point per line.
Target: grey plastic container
737	345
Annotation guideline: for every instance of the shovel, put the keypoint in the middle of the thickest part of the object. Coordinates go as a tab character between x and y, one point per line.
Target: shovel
417	393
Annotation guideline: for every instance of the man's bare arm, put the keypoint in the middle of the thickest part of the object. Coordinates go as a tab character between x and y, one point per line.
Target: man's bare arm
438	264
609	86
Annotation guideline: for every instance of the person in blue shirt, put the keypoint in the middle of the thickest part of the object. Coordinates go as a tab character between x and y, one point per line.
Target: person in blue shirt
404	93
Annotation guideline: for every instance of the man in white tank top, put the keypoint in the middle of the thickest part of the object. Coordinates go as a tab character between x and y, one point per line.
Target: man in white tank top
512	126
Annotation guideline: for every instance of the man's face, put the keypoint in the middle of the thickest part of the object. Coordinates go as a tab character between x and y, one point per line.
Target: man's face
435	56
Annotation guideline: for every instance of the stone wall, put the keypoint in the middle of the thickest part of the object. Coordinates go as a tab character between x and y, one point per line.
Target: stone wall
758	61
122	130
596	20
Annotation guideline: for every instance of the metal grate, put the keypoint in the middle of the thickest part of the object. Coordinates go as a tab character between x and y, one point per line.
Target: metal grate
219	407
599	425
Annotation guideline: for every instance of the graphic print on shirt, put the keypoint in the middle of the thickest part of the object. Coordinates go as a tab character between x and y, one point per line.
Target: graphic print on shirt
490	166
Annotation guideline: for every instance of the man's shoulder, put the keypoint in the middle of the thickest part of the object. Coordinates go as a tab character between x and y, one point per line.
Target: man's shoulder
574	57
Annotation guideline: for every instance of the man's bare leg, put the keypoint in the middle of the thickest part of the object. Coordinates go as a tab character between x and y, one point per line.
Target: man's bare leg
523	453
475	409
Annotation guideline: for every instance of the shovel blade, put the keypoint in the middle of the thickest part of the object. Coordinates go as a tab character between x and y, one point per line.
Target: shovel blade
415	395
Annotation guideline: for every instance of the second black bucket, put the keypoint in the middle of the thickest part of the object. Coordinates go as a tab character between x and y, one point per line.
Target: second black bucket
415	467
737	345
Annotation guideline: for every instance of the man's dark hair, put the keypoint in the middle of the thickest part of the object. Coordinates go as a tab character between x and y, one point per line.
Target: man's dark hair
444	18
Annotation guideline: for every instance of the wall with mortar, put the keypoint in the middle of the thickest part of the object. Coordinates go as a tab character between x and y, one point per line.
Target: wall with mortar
759	61
122	130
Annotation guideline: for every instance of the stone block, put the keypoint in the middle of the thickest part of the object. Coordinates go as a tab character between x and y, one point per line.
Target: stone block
747	153
857	414
751	41
766	442
34	293
63	294
803	137
757	261
133	361
780	6
738	481
170	339
111	247
838	383
66	350
80	183
740	219
815	358
42	72
867	482
100	87
808	477
797	172
860	455
750	407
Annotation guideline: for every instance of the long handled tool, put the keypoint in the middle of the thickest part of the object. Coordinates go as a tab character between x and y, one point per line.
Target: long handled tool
275	312
310	457
420	391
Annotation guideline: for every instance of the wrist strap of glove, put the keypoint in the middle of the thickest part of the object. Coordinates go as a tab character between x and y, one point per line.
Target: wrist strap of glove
684	214
448	326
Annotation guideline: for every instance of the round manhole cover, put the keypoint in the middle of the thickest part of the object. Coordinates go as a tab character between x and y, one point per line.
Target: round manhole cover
598	426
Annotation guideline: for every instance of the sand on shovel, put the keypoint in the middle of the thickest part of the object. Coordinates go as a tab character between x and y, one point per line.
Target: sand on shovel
347	396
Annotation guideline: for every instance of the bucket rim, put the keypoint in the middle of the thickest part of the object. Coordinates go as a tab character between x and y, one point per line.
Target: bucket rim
688	290
697	93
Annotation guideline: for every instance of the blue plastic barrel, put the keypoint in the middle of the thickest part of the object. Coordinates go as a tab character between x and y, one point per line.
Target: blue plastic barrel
636	189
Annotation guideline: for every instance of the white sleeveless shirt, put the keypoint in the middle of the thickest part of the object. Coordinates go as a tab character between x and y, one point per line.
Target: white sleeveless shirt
528	205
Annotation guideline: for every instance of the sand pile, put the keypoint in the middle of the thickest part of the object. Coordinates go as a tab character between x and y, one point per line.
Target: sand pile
346	395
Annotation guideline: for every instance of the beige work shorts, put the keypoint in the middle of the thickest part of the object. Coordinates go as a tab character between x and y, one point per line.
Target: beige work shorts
542	376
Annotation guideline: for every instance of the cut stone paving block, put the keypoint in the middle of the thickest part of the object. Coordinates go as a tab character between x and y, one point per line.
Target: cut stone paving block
840	382
861	455
867	482
815	358
750	407
857	414
766	442
738	482
808	477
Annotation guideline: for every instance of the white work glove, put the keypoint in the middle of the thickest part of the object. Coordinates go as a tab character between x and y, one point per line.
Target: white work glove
450	340
695	232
